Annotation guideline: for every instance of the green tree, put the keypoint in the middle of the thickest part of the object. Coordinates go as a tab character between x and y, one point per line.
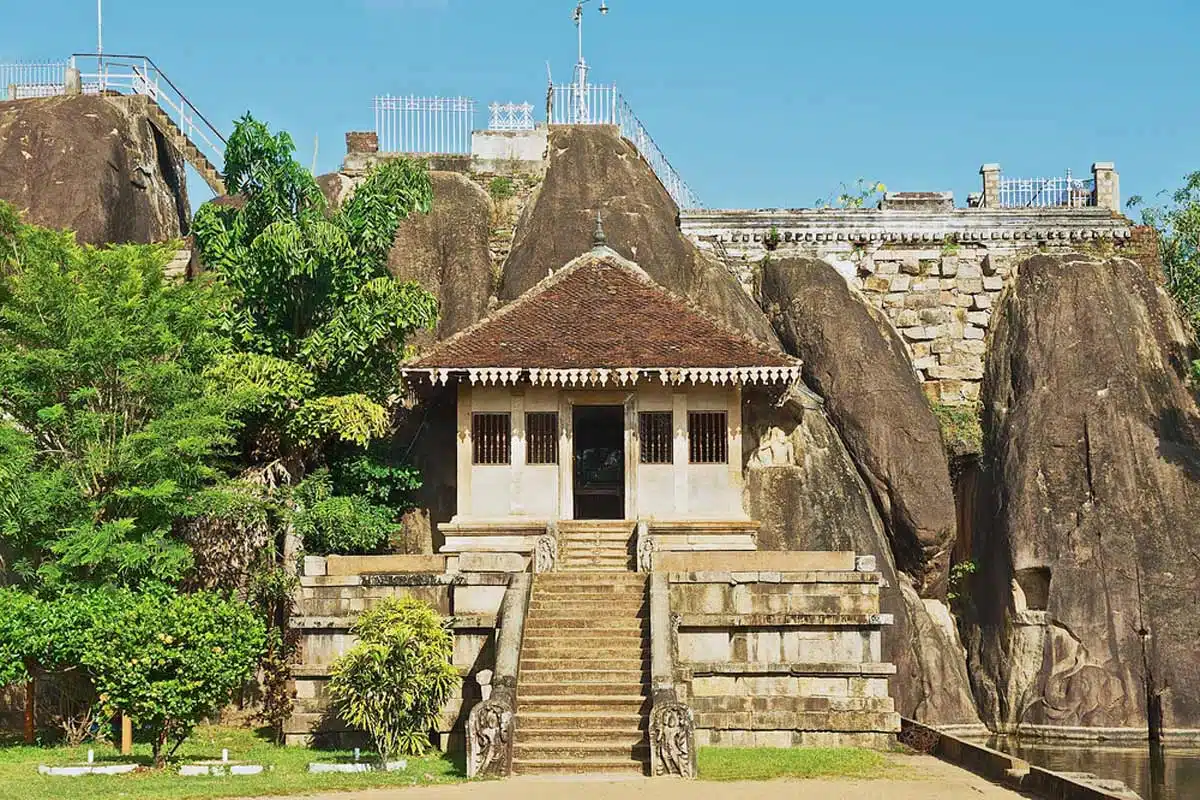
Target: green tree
394	683
108	427
1177	222
169	660
318	324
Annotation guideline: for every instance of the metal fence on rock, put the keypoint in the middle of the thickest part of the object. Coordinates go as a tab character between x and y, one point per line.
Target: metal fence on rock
591	104
1060	192
33	79
434	125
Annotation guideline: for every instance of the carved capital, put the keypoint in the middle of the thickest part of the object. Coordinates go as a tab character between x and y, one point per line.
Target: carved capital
672	740
489	739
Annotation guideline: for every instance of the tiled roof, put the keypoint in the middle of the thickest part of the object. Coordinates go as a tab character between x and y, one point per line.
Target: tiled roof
600	312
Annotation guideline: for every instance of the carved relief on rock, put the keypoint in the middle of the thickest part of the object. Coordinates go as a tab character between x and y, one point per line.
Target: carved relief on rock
775	449
672	741
489	738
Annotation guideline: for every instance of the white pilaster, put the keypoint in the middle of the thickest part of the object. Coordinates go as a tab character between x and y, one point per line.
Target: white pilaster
464	454
517	450
679	416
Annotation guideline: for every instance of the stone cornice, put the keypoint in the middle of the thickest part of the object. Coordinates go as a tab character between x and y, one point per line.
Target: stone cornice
883	225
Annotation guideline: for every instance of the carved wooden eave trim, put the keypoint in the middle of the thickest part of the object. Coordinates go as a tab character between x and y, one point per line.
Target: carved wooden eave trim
621	377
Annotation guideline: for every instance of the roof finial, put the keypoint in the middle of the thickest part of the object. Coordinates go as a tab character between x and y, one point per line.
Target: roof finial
599	238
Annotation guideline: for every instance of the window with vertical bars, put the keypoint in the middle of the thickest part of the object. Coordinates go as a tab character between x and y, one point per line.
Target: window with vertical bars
708	442
541	437
656	436
490	437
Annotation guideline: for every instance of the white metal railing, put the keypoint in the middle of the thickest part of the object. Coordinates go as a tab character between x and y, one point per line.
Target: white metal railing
434	125
510	117
591	104
130	74
33	79
1060	192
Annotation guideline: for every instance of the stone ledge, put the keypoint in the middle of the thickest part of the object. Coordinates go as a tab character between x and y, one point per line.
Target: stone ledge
810	576
318	623
392	565
816	721
404	579
784	620
852	669
496	527
750	565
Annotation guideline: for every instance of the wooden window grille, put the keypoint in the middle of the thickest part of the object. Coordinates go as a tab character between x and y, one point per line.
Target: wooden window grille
708	440
491	438
541	436
655	430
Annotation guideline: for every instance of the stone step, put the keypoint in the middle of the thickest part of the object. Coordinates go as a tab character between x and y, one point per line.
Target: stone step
578	766
557	577
615	703
630	602
576	656
624	738
591	567
572	674
587	641
566	748
583	721
600	562
553	688
575	624
565	614
584	661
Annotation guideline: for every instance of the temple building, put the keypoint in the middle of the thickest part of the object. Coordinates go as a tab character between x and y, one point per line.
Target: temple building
599	395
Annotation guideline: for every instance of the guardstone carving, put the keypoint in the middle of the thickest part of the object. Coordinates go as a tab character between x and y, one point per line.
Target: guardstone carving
672	740
545	554
489	739
645	548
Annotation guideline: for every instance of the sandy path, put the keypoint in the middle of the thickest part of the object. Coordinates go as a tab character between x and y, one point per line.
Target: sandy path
931	780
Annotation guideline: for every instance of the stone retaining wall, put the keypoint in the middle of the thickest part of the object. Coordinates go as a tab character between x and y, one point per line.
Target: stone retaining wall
934	274
784	653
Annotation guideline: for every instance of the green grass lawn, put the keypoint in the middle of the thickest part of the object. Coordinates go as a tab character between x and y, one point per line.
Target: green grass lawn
287	771
762	764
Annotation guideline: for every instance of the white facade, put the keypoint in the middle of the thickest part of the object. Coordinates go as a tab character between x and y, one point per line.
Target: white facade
518	491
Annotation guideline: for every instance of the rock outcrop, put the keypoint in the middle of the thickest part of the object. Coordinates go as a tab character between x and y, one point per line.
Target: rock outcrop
94	165
1090	571
857	363
447	252
805	489
592	169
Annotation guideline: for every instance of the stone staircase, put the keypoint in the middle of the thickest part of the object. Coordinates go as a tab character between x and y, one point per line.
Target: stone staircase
595	546
191	153
583	694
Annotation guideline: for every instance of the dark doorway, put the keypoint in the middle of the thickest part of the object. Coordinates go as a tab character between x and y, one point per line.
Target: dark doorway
599	433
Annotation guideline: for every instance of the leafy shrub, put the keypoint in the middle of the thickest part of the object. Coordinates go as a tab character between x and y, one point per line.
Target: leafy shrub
962	431
501	188
169	660
338	524
394	683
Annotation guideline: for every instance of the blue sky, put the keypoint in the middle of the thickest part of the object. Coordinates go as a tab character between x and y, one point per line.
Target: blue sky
767	103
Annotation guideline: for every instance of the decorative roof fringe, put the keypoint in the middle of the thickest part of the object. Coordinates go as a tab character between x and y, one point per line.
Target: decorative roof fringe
579	378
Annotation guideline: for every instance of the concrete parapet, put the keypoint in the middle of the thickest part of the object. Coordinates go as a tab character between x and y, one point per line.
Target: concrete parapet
991	185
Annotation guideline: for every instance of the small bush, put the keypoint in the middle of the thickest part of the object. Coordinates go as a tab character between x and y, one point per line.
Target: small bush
501	188
169	660
962	431
333	524
394	683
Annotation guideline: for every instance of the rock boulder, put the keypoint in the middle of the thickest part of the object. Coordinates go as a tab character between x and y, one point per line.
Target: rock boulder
856	362
1090	571
803	486
592	168
94	165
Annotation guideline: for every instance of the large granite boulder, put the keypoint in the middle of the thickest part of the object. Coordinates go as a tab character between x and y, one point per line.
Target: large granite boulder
447	250
1090	573
805	489
590	169
94	165
856	362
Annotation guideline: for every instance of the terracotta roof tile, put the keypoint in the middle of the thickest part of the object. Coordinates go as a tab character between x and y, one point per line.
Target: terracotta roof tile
603	312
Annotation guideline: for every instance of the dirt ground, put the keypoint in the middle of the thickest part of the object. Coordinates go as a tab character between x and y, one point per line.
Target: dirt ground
931	780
